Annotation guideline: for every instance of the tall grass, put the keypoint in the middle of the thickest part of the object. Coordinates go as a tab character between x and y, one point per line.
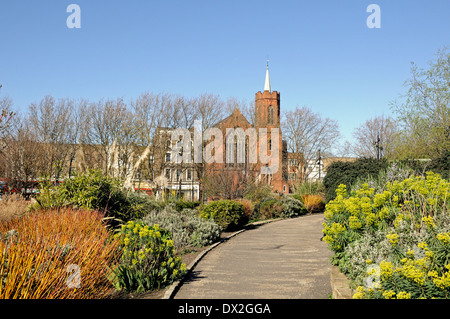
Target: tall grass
12	206
38	249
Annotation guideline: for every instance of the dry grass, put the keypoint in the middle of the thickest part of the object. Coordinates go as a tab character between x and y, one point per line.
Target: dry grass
35	262
313	202
12	206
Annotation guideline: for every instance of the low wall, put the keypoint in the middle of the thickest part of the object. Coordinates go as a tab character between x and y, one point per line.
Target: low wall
340	284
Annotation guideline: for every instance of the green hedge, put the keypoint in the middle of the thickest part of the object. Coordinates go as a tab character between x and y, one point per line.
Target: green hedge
93	190
348	172
228	214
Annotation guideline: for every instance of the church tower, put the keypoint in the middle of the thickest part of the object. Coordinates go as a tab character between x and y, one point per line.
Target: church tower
267	115
267	106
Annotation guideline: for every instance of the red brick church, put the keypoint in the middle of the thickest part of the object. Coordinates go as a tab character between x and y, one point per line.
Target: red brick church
267	115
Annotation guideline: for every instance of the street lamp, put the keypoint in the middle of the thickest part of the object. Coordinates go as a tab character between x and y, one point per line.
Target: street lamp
378	147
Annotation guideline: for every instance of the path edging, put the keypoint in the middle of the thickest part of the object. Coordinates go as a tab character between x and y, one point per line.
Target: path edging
340	284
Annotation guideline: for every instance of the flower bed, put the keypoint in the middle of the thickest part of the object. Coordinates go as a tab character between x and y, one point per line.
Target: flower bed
394	243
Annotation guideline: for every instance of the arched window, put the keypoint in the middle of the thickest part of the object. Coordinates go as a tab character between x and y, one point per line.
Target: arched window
270	115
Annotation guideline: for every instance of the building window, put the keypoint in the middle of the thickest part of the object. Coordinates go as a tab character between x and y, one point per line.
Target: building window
189	175
270	115
168	157
168	173
293	162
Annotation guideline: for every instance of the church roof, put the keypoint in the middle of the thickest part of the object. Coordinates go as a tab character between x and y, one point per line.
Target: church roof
235	118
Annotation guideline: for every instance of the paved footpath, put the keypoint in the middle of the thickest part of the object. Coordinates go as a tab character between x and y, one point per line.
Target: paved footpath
280	260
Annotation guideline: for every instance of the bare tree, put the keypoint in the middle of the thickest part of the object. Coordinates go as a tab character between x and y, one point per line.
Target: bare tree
6	116
52	125
106	123
378	132
21	162
306	133
247	108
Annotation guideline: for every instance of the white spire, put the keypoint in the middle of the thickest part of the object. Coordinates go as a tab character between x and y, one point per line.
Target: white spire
267	83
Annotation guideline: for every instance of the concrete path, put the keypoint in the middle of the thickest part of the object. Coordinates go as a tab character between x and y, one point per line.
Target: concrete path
280	260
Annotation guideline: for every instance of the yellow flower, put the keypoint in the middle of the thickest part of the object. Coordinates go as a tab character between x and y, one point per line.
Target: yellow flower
398	220
354	222
410	253
429	221
175	272
384	212
389	294
370	218
368	261
443	238
386	268
403	295
423	245
393	238
360	292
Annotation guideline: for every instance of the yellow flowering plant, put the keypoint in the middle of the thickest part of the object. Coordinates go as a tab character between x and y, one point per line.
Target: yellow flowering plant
411	218
148	261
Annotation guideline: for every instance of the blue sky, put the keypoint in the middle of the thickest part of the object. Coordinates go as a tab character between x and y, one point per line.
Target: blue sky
322	54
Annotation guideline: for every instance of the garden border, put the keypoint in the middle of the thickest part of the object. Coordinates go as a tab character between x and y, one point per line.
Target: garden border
176	285
340	287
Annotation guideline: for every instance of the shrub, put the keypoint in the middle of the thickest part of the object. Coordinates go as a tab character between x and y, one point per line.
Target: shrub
248	206
310	188
441	165
186	227
348	172
292	207
148	261
93	190
270	208
12	206
180	204
285	207
256	192
314	203
38	249
228	214
396	242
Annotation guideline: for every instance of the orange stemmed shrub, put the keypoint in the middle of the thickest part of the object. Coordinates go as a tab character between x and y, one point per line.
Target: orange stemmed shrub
313	202
59	253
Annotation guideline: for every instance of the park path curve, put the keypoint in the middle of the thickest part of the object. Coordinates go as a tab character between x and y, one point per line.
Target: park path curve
283	259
